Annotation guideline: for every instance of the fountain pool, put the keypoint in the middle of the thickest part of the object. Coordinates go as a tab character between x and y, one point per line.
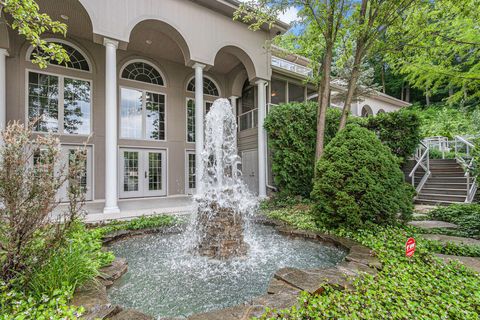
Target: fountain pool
166	280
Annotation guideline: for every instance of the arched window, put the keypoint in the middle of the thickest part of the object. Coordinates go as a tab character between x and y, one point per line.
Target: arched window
209	87
143	72
77	61
366	111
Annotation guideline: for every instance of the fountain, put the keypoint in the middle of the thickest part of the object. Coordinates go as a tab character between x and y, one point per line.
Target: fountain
225	203
223	258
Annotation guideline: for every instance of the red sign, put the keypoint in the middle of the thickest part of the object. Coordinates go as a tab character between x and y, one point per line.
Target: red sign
410	247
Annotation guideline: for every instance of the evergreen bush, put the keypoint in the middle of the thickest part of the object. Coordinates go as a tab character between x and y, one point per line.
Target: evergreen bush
359	181
292	130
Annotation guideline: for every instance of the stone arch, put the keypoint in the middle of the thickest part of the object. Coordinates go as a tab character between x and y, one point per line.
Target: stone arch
380	111
166	28
238	82
244	58
366	111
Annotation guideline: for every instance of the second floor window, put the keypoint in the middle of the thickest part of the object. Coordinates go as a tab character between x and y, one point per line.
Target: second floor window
142	115
59	104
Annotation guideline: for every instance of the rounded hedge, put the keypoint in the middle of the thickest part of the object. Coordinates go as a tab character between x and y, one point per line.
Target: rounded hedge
358	181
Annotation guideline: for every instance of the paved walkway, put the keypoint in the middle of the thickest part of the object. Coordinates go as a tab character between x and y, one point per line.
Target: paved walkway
431	224
134	208
423	209
457	240
470	262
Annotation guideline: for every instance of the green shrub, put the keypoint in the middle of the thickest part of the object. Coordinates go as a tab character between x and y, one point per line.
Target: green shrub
292	130
400	131
16	305
359	181
72	265
466	216
292	134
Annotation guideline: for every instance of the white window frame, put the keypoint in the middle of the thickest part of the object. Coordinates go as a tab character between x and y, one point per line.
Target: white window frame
143	191
188	190
144	113
61	101
205	101
141	82
89	195
204	94
74	46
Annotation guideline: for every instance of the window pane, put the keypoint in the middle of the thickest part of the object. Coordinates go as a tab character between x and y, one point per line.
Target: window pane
248	98
208	106
155	113
278	91
131	114
154	171
190	120
43	101
191	171
130	174
77	106
73	160
296	93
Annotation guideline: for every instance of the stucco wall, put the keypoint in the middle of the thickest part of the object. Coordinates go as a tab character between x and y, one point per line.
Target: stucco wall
176	78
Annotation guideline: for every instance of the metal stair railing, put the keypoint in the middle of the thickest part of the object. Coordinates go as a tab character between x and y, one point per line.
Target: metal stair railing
464	156
422	158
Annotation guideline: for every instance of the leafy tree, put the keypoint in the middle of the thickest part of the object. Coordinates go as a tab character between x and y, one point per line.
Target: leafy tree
24	16
370	20
323	21
436	48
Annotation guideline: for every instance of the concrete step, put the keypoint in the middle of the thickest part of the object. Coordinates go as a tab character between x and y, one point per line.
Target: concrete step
470	262
432	224
447	191
444	180
434	202
451	239
441	197
451	186
443	161
443	174
441	170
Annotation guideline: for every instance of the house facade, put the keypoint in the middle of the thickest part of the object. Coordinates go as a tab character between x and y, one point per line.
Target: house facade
142	76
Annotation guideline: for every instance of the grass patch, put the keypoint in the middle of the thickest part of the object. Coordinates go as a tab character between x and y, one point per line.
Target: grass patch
144	222
418	288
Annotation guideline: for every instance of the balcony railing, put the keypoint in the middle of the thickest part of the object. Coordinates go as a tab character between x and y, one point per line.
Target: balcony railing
248	120
290	66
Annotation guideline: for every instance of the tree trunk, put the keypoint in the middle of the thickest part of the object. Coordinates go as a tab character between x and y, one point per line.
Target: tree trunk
323	97
352	84
403	90
407	93
382	74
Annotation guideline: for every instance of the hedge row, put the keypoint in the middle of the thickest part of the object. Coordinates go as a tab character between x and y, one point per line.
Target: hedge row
291	131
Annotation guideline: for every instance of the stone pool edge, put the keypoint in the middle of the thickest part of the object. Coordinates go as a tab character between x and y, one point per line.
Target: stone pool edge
282	291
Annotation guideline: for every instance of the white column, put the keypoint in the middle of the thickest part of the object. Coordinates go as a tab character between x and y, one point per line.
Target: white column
199	131
262	138
3	89
111	149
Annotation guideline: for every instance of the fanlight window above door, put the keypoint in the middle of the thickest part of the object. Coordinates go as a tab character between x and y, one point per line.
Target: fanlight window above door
209	87
143	72
77	61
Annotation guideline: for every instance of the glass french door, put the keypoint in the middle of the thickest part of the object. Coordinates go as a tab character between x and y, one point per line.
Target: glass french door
142	173
68	157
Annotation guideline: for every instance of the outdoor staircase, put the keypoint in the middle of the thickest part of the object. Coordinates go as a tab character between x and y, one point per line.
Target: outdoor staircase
446	184
443	181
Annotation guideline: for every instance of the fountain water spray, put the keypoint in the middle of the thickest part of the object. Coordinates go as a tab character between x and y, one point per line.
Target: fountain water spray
225	204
